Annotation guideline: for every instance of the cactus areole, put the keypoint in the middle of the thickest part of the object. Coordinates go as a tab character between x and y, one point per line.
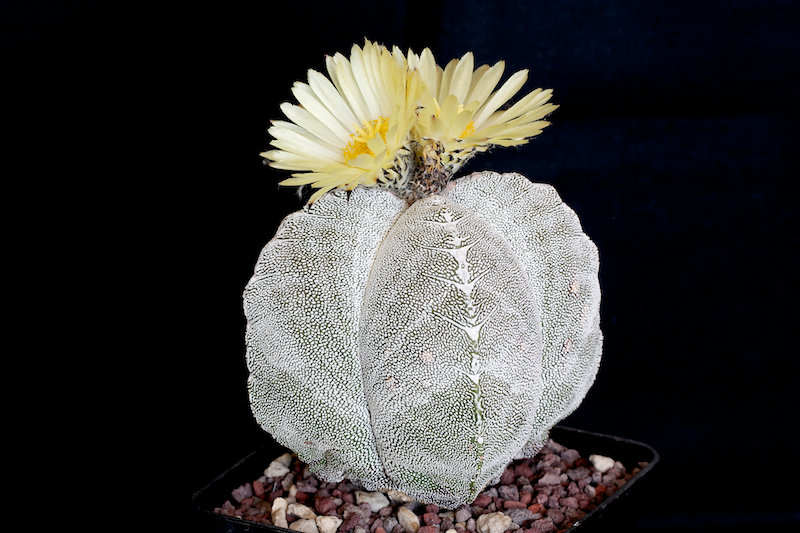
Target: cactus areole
419	337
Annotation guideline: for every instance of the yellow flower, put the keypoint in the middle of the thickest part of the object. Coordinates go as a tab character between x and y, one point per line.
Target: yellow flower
462	108
382	118
348	130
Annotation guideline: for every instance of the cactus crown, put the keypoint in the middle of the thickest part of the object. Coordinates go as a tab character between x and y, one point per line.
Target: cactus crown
387	119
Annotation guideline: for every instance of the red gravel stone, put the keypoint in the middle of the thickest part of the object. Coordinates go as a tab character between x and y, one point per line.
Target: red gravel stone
583	499
483	500
324	505
569	502
511	504
428	529
549	479
556	514
545	525
508	477
523	470
508	492
536	508
569	457
350	522
431	519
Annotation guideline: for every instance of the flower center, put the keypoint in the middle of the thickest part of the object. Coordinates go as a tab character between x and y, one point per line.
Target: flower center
469	130
361	137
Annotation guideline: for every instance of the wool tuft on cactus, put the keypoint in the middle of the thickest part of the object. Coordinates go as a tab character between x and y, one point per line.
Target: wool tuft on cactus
407	330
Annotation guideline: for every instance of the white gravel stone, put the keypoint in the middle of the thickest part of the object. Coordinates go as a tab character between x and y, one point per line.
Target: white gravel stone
328	524
408	519
493	523
301	511
602	463
376	500
279	513
276	470
279	467
397	496
304	526
285	459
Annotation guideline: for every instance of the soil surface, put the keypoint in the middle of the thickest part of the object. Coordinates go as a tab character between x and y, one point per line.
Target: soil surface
547	493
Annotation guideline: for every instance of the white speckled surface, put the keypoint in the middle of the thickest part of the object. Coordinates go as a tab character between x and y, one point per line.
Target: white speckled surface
420	349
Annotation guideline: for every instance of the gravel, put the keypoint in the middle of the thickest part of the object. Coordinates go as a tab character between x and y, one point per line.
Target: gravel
544	494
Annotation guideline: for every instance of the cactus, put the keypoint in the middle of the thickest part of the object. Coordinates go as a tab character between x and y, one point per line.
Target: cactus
419	333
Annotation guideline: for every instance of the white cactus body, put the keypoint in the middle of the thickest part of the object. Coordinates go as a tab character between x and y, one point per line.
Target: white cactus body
421	348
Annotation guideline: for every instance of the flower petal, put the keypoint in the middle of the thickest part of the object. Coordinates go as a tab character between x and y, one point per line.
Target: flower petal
447	76
286	130
507	91
306	120
290	161
364	80
428	70
484	86
462	78
326	92
341	72
305	95
528	104
363	161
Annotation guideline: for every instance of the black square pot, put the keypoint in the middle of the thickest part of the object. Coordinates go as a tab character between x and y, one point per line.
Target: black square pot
618	512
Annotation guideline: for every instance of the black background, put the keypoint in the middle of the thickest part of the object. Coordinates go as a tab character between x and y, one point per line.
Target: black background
676	143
